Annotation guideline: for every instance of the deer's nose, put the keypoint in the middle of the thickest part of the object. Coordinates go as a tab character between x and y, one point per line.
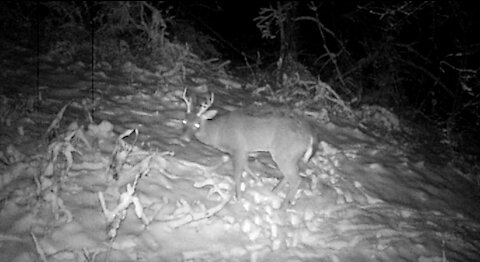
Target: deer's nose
186	136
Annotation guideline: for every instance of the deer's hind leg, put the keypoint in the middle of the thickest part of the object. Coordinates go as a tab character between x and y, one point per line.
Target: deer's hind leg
288	165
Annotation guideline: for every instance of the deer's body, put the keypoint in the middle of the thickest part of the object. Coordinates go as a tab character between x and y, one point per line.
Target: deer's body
287	137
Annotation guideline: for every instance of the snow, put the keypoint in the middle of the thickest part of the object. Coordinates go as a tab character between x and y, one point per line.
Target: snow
124	188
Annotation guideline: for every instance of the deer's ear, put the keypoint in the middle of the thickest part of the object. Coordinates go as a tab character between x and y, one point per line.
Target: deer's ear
209	114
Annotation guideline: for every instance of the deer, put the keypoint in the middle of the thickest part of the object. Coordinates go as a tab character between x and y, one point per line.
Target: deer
286	136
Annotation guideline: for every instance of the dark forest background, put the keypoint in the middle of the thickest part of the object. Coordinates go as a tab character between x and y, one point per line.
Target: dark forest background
420	59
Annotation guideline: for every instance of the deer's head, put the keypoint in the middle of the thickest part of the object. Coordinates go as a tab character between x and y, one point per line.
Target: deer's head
194	121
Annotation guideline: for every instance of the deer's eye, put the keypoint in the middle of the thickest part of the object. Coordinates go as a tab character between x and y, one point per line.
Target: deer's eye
184	121
197	125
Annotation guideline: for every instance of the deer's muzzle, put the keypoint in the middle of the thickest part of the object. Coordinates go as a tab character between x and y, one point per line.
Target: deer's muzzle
187	135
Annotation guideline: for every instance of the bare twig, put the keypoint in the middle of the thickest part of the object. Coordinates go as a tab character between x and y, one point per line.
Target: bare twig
39	249
322	29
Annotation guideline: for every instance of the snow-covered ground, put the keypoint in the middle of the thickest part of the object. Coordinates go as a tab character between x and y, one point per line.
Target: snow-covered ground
125	189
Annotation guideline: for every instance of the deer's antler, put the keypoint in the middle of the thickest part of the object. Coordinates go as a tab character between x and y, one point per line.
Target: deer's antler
188	101
206	105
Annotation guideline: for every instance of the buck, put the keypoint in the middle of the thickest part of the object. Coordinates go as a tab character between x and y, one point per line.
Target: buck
287	137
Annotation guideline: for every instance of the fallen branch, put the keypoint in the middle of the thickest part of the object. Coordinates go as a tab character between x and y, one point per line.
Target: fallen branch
55	122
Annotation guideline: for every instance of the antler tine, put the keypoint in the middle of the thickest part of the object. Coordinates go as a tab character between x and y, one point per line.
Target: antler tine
206	105
187	100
